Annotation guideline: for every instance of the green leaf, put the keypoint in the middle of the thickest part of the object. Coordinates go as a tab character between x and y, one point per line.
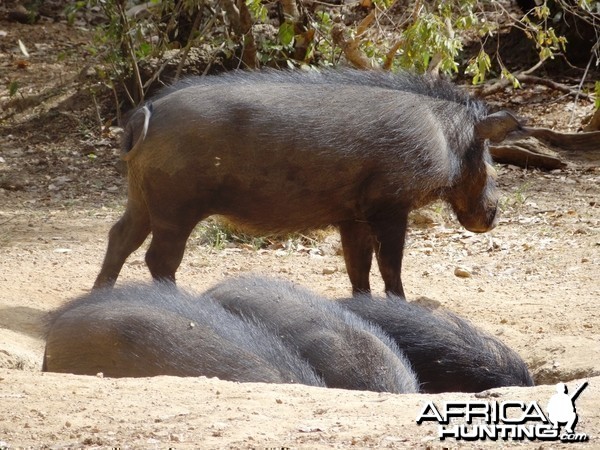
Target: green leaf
259	12
510	77
286	33
144	49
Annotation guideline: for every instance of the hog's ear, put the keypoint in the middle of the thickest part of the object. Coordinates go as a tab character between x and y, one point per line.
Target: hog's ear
499	126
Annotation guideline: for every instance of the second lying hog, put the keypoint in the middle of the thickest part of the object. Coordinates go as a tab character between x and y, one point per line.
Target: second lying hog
346	351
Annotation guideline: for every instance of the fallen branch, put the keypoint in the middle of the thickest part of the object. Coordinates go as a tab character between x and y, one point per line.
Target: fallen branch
573	142
531	152
524	78
527	154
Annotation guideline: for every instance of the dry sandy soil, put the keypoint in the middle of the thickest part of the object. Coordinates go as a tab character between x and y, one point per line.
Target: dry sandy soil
534	284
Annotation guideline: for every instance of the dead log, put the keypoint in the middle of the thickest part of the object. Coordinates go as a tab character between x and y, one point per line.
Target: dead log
533	151
528	154
572	142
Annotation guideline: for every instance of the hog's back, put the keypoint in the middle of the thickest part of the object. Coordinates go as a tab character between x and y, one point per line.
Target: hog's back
284	157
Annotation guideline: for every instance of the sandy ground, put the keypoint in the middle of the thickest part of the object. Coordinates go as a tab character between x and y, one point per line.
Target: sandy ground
534	284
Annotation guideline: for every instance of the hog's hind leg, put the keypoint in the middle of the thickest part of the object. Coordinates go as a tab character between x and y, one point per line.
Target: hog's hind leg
123	239
167	248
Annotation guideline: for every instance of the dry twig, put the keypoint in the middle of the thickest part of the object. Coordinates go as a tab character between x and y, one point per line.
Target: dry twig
524	78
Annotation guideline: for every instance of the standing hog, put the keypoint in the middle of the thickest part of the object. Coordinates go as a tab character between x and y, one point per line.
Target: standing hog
346	351
144	331
446	352
280	152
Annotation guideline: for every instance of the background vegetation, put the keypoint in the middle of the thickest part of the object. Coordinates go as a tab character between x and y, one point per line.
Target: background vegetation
138	46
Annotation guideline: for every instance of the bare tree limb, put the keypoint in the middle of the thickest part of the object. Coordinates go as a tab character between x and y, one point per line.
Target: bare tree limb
233	14
249	52
188	45
580	86
365	23
389	56
241	24
350	48
139	97
290	10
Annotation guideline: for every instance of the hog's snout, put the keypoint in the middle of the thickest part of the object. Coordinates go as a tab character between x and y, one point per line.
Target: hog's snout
480	222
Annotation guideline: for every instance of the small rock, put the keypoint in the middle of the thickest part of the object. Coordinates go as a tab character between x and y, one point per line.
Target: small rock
462	272
58	181
309	429
176	438
315	252
22	15
329	270
114	132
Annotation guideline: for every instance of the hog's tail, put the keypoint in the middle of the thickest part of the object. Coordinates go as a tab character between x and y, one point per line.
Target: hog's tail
128	147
